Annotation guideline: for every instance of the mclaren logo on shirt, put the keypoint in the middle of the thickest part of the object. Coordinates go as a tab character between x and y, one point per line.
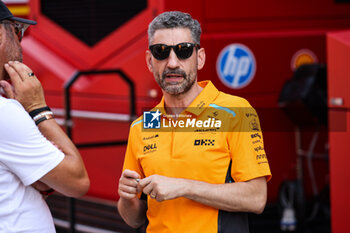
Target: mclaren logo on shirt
204	142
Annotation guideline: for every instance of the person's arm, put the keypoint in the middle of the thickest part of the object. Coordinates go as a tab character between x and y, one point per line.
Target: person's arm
249	196
130	207
69	177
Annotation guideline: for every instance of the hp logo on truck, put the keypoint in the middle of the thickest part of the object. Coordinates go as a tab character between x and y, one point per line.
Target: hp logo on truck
236	66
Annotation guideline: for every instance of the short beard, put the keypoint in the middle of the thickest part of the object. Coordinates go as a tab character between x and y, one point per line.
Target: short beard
176	88
13	50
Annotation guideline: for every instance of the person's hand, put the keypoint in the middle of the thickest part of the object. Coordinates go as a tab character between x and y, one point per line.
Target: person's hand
162	188
25	87
40	186
128	184
44	189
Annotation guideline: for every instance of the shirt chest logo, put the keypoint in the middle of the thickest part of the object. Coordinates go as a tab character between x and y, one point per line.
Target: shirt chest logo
204	142
150	148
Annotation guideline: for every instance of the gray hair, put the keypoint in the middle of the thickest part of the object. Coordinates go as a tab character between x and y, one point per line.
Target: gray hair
175	19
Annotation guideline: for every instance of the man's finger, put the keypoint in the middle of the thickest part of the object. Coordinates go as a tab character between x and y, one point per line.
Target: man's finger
8	89
14	76
21	69
128	181
146	185
127	195
128	189
130	174
145	181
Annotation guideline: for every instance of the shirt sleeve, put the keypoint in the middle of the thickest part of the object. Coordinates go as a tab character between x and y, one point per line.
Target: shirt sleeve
246	144
24	150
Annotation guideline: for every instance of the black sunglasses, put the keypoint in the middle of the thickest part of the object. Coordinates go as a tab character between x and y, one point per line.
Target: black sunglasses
182	50
19	28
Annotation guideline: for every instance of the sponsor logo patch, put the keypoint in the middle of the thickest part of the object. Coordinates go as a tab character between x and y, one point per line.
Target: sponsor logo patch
253	124
204	142
236	66
150	148
150	137
255	135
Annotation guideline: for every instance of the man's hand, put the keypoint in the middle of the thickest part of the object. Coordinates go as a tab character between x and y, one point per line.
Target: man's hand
25	89
128	185
130	207
40	186
162	188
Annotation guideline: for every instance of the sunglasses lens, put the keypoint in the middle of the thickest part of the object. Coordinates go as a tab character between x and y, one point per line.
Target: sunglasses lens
18	33
184	50
19	30
160	51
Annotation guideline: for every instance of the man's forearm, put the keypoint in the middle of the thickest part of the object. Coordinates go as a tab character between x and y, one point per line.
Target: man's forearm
247	196
74	182
54	133
133	211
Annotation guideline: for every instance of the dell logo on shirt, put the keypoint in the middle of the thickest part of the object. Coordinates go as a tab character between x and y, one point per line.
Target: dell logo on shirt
236	66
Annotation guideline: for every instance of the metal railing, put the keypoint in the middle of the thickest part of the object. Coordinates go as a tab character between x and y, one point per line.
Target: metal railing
69	124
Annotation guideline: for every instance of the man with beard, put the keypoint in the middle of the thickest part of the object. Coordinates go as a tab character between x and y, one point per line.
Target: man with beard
36	156
197	179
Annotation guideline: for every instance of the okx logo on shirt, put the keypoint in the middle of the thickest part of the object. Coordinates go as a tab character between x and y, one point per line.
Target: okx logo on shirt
151	120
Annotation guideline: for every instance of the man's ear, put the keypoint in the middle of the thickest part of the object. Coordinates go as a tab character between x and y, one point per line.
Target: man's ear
200	58
149	61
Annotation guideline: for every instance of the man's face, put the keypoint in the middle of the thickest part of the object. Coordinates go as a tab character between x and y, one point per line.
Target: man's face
175	76
11	47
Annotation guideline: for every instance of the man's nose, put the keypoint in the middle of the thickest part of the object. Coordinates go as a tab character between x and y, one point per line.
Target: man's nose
173	61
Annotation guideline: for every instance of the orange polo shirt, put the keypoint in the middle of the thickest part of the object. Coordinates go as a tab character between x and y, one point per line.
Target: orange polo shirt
217	139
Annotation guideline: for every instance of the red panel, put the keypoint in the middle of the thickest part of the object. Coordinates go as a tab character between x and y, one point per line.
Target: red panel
255	9
256	15
340	174
81	55
193	7
338	48
273	54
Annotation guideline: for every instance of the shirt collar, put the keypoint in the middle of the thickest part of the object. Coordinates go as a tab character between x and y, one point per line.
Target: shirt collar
205	97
